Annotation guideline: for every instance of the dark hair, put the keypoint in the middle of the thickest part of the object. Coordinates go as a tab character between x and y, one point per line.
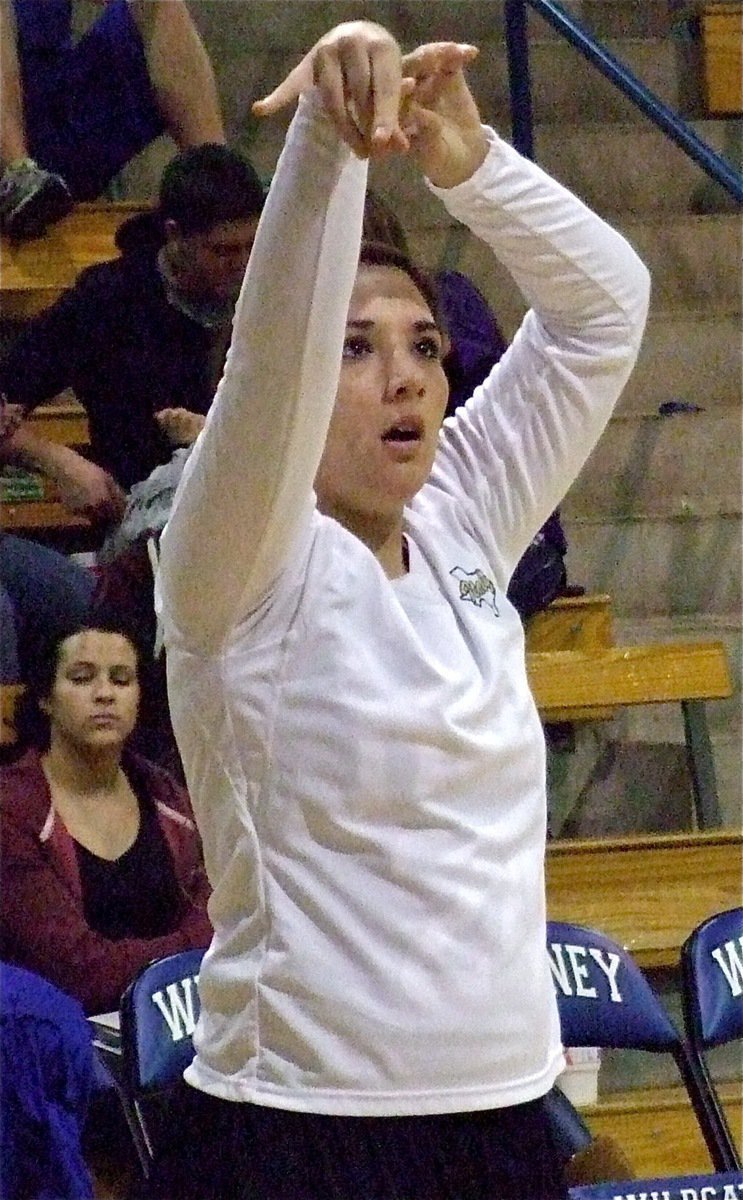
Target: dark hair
208	184
31	722
382	224
383	254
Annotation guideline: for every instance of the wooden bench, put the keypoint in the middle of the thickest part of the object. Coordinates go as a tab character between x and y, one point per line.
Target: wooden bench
63	421
656	1127
647	892
34	274
582	685
572	623
722	47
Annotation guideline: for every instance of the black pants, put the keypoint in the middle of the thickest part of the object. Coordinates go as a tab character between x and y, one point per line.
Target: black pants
219	1150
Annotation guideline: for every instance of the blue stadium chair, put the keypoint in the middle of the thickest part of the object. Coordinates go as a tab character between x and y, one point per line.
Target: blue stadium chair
605	1000
712	975
159	1011
728	1186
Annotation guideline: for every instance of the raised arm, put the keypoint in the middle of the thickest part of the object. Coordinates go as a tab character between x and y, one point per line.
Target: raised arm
247	493
521	443
530	429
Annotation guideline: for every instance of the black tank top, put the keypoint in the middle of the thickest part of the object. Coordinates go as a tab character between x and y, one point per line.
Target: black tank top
136	895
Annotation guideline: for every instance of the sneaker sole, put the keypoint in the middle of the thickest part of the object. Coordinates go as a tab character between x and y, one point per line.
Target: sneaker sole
41	209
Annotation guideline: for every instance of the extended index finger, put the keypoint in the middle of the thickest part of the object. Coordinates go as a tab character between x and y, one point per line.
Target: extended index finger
290	88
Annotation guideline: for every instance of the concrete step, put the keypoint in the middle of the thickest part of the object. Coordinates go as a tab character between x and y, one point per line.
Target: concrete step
660	566
624	18
619	168
694	262
682	466
693	259
293	24
635	169
690	356
252	50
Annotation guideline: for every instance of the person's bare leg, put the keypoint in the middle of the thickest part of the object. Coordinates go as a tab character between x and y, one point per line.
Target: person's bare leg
30	197
12	127
180	71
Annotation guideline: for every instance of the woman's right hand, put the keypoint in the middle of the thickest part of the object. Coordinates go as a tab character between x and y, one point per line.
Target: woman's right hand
357	69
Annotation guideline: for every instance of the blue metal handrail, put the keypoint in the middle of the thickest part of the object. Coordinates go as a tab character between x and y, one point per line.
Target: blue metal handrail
612	69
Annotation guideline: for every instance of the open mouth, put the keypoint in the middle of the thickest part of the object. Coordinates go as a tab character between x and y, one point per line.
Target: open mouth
404	432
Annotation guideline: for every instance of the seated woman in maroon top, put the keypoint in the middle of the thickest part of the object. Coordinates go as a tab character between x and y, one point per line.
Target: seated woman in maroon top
102	867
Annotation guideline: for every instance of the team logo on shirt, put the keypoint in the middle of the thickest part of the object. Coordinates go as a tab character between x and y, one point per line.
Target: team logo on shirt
476	587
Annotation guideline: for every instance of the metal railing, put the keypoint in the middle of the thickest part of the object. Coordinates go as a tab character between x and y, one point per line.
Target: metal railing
522	125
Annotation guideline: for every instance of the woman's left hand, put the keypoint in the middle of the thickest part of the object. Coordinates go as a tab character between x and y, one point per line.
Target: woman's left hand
440	116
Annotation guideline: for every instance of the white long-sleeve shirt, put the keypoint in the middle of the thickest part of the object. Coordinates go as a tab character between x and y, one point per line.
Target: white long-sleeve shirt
364	756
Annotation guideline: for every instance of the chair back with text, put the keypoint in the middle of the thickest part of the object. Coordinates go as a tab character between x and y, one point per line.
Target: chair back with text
605	1000
712	974
159	1011
726	1186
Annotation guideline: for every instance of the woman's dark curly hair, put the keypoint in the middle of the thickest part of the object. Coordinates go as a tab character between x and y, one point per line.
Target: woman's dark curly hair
40	671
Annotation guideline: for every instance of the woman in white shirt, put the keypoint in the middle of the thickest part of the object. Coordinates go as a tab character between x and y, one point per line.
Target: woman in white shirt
347	678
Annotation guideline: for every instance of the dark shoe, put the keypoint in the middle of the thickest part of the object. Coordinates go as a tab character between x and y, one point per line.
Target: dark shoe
30	199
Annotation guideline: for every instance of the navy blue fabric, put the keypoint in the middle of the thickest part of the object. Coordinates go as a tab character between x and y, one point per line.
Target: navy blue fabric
46	1079
231	1151
717	988
125	352
156	1052
476	340
48	594
590	1012
10	670
90	107
728	1186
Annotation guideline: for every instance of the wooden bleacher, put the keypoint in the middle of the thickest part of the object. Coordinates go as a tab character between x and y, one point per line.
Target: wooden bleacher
722	38
646	891
63	421
34	274
578	674
656	1128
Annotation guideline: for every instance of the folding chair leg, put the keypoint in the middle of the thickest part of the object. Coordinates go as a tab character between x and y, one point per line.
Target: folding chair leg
712	1121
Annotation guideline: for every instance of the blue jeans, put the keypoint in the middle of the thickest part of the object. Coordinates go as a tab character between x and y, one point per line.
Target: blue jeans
46	594
89	108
